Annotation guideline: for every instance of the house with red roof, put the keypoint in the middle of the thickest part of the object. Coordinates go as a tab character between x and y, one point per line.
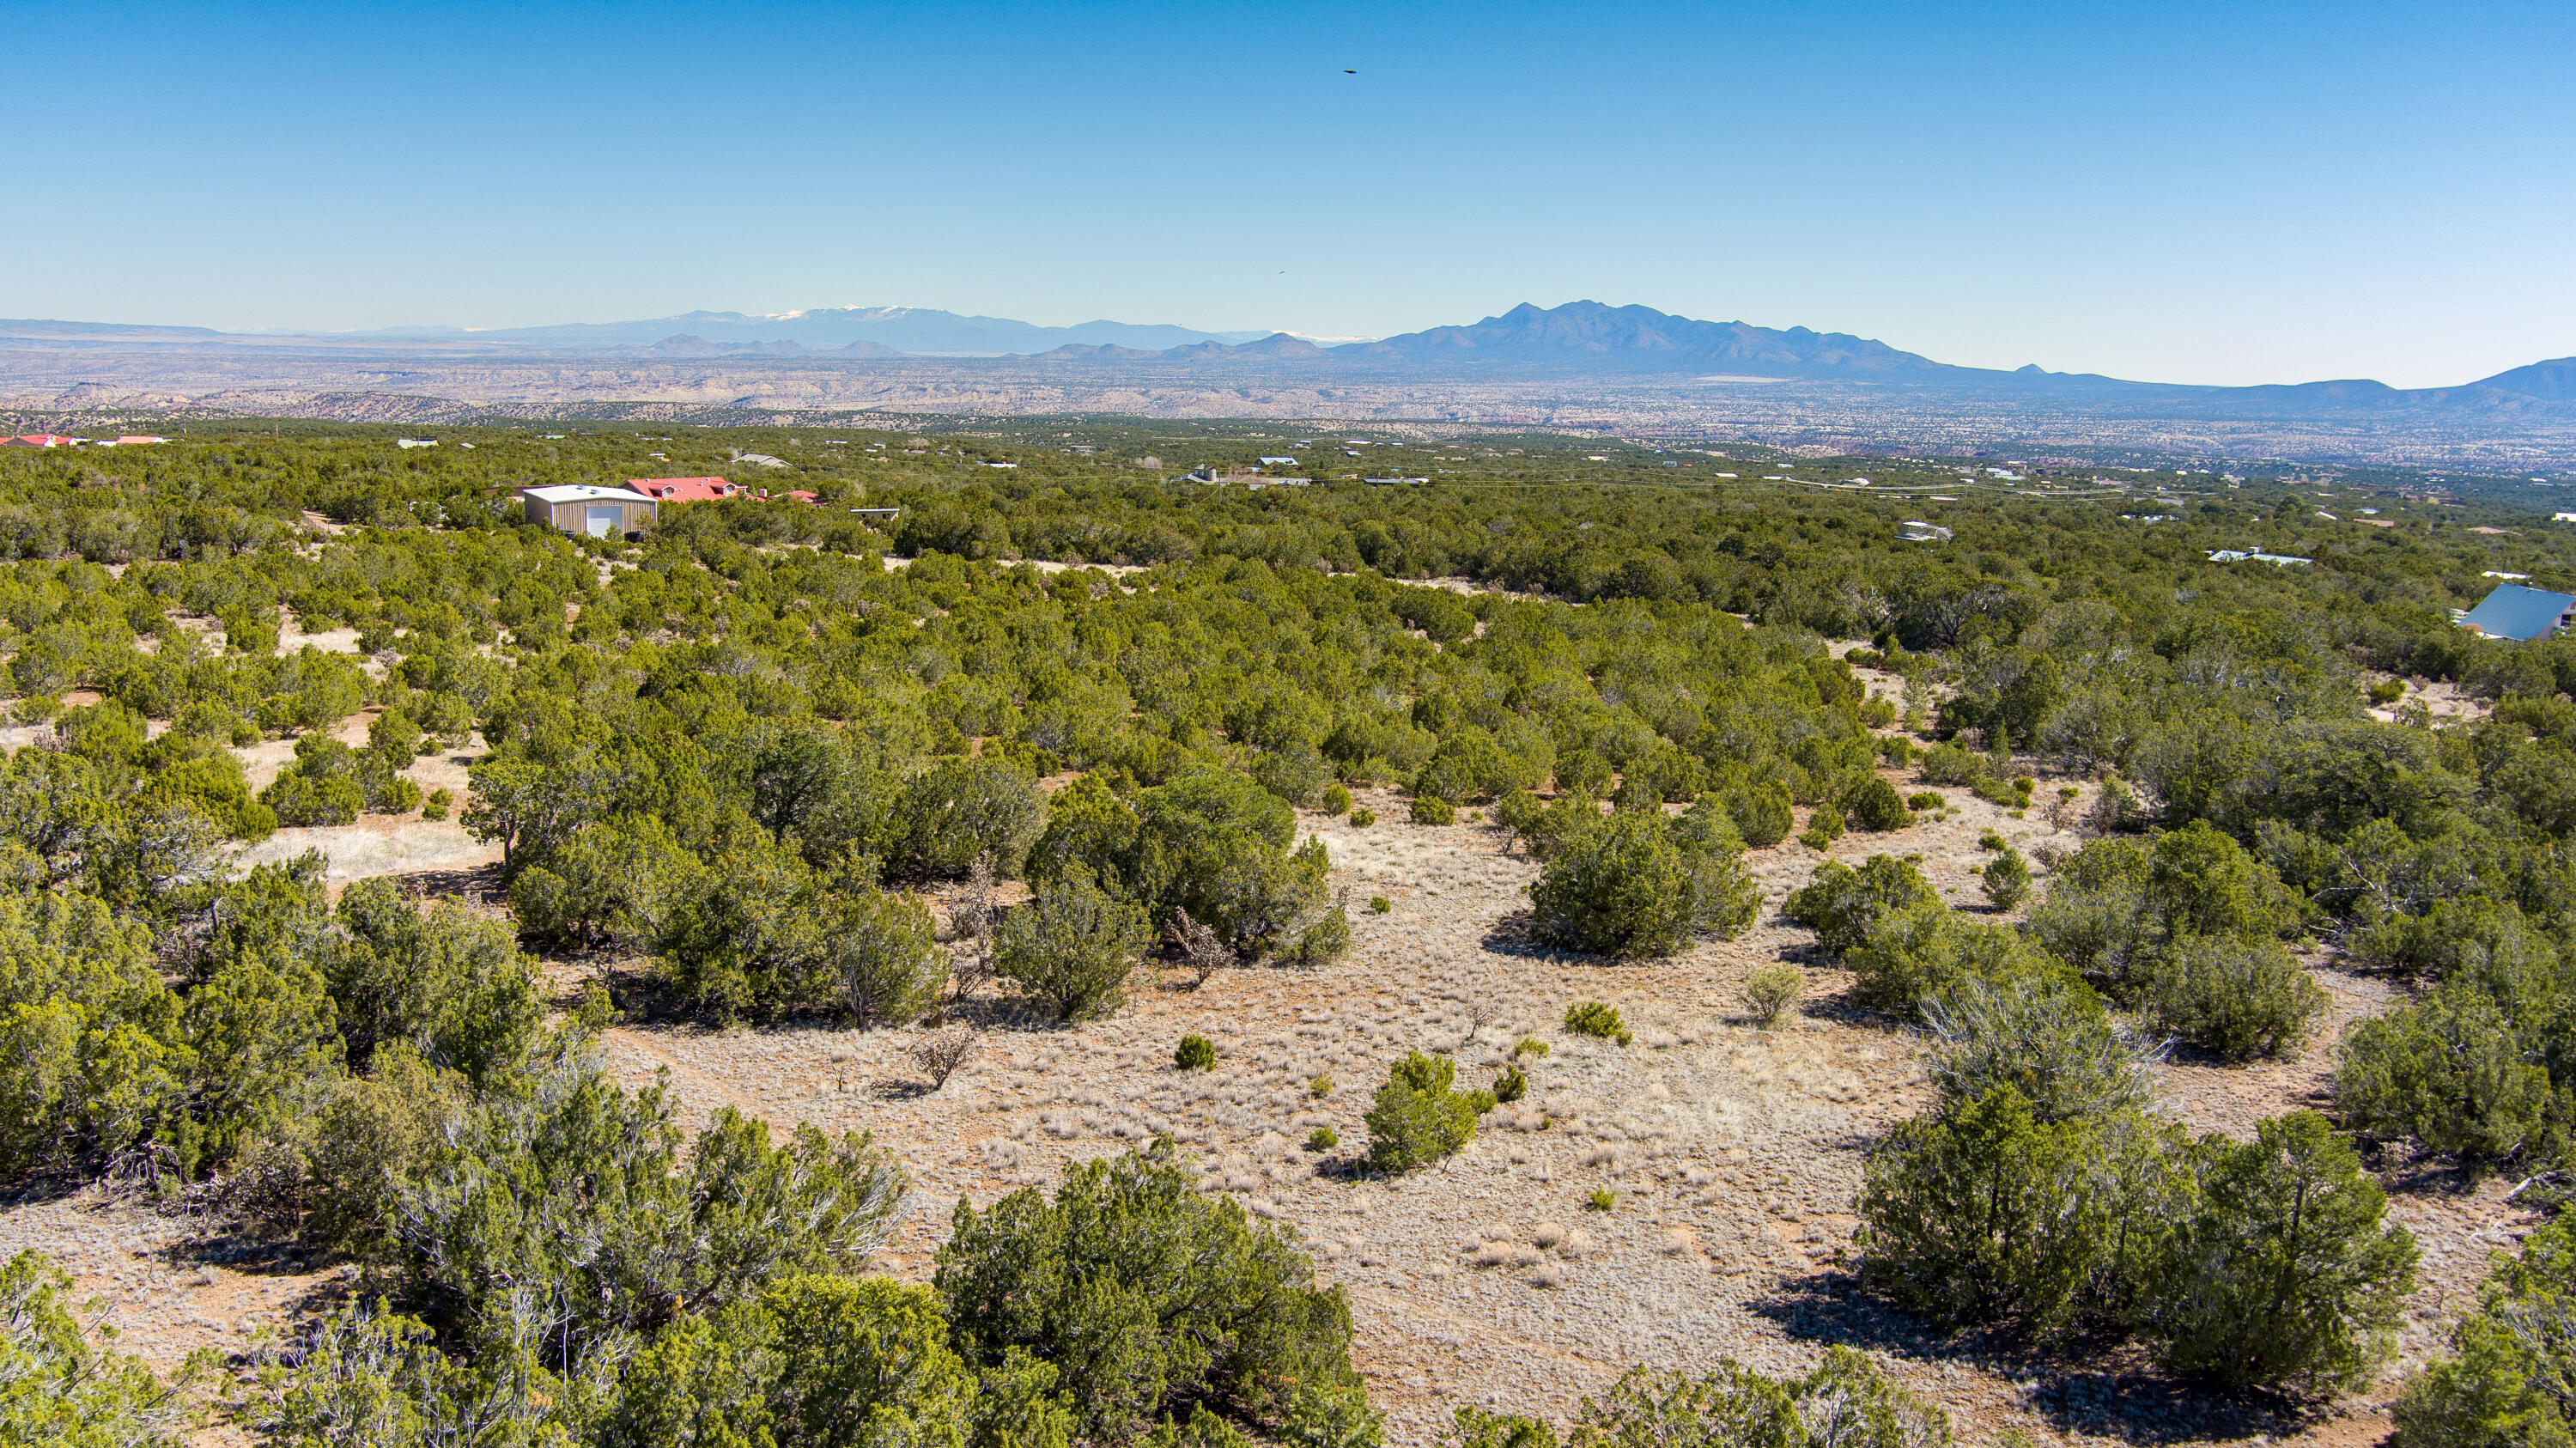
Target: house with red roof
685	490
39	439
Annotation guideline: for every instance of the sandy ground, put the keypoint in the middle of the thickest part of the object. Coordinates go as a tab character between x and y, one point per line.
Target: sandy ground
1734	1152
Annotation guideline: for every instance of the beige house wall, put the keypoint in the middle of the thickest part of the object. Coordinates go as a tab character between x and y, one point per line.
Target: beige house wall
573	517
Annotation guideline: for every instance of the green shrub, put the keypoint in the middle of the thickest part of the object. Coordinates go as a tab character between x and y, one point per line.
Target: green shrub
1770	992
1209	842
2120	906
965	811
1320	943
1592	1018
1824	826
2476	932
2205	883
1195	1053
2000	792
450	985
575	1193
1762	815
1296	775
1431	809
1320	1087
1323	1138
2239	997
2264	1263
441	801
2511	1379
2043	1033
1601	1199
1380	905
2466	1071
1627	884
1925	800
65	1388
2387	691
2111	933
1071	948
1363	818
1146	1294
1842	905
814	1356
330	1172
1544	832
302	800
2007	879
1913	956
881	954
1580	771
1418	1117
86	1024
1845	1403
1511	1083
1871	803
1337	800
1953	764
2283	1275
1985	1213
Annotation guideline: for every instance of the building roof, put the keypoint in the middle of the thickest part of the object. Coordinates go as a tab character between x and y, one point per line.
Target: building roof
39	439
585	493
684	490
2516	612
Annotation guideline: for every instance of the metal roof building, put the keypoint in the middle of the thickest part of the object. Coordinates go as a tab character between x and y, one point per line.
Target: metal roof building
582	508
2523	614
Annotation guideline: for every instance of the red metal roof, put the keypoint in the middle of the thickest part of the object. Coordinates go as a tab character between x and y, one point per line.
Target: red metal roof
685	490
38	439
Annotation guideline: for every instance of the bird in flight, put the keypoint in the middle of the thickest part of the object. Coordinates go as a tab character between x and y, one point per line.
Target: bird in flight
1350	72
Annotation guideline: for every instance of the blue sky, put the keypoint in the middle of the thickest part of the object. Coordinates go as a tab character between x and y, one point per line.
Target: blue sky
2182	191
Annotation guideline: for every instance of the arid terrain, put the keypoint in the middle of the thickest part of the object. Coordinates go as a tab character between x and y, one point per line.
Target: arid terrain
1733	1151
78	386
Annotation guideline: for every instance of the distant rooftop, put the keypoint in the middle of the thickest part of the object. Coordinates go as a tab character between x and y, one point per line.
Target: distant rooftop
2519	613
585	493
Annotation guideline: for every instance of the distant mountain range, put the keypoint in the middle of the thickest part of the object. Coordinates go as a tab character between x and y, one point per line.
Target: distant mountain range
1580	344
920	331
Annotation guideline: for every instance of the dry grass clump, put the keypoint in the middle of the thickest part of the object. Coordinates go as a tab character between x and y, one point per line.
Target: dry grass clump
1771	992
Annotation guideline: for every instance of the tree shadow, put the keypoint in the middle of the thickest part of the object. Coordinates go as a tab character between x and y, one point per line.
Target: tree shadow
2105	1389
475	885
240	1251
1516	935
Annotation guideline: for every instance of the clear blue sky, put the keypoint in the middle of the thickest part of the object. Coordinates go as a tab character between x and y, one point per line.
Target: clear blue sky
2178	191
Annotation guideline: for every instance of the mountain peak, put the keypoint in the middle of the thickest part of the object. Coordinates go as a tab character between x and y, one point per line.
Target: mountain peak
1596	336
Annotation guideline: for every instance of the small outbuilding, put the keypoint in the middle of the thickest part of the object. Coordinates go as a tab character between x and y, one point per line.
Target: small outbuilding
2522	614
584	508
